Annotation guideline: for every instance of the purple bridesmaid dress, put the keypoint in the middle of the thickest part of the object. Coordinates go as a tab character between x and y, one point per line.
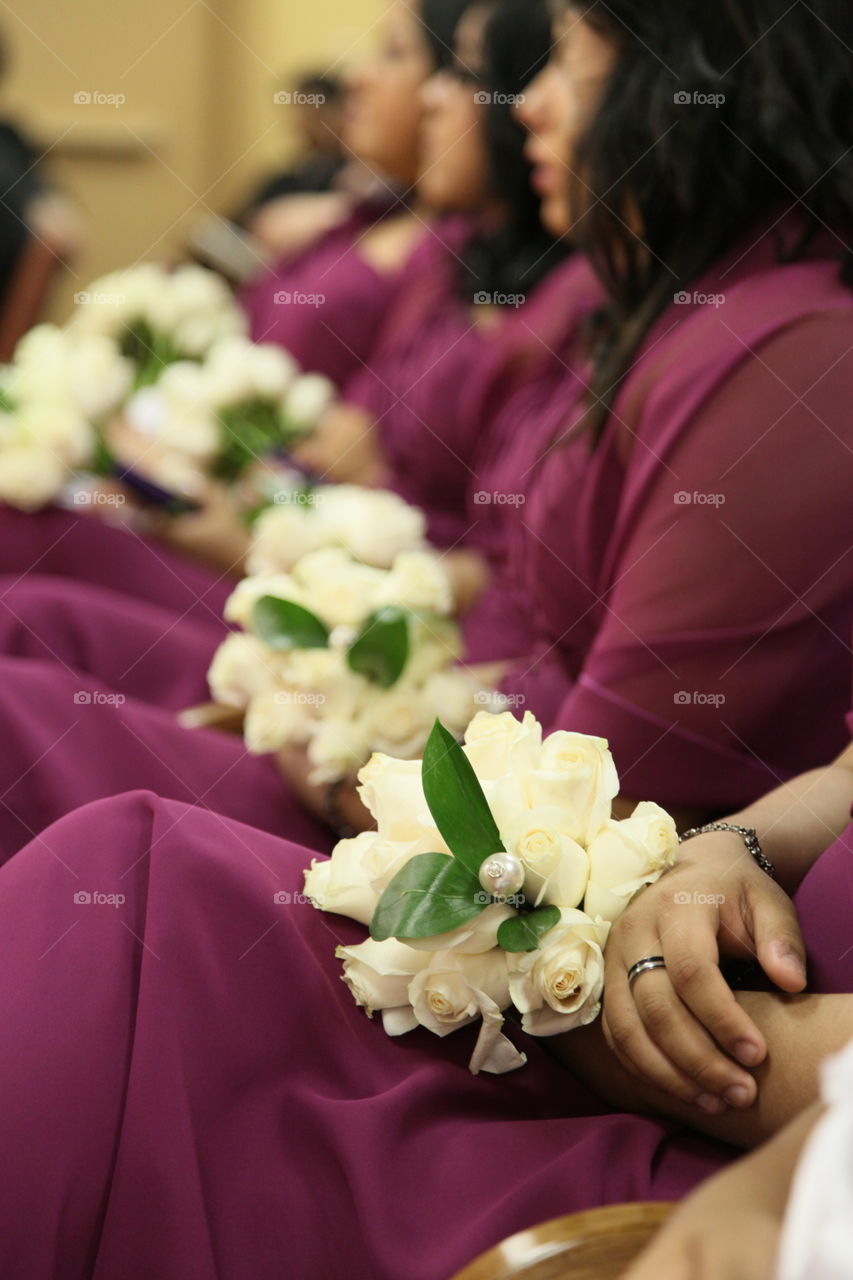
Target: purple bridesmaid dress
326	304
189	1091
690	581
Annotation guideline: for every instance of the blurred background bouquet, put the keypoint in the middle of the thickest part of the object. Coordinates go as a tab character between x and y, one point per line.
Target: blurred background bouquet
340	656
155	373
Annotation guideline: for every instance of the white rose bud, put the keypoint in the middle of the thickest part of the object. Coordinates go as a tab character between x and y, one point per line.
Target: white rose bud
376	526
627	855
392	792
576	772
556	867
452	990
241	668
345	883
307	400
499	744
379	973
559	986
419	581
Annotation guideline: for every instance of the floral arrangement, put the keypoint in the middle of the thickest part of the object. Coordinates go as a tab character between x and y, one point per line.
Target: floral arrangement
344	659
157	317
226	411
374	525
168	350
491	883
55	399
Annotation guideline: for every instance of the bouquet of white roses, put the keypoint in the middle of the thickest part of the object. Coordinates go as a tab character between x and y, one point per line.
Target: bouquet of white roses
157	316
220	414
55	398
344	659
491	883
373	525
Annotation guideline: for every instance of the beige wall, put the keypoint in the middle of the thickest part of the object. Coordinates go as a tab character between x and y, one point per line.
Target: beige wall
198	124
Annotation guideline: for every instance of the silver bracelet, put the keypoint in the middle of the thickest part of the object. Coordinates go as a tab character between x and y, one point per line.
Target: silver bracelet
748	834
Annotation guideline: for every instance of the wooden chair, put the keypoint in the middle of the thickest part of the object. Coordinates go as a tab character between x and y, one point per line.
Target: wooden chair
596	1245
31	280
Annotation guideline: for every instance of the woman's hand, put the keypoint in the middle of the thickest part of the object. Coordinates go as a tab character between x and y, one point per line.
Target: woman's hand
295	768
344	448
680	1028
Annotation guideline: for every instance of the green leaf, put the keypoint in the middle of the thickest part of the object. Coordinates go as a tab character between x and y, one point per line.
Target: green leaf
523	933
381	649
285	625
431	894
456	801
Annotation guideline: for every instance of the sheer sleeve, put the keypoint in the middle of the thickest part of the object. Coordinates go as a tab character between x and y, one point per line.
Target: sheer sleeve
723	660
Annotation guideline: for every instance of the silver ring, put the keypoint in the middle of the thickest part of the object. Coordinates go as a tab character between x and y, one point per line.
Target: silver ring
645	966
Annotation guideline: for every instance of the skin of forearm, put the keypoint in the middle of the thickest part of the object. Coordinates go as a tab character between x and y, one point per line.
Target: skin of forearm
801	1031
798	821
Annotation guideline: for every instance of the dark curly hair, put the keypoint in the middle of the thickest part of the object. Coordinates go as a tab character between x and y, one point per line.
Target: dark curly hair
695	174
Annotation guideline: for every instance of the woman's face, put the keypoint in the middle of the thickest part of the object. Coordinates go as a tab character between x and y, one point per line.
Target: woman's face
454	159
383	115
557	110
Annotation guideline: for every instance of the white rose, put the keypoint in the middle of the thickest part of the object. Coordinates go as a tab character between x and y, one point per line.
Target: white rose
276	719
434	645
576	772
398	721
627	855
346	883
30	478
450	992
450	695
336	588
499	744
241	668
240	605
338	747
282	536
417	580
474	938
556	867
307	400
99	377
379	973
374	525
392	792
559	986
